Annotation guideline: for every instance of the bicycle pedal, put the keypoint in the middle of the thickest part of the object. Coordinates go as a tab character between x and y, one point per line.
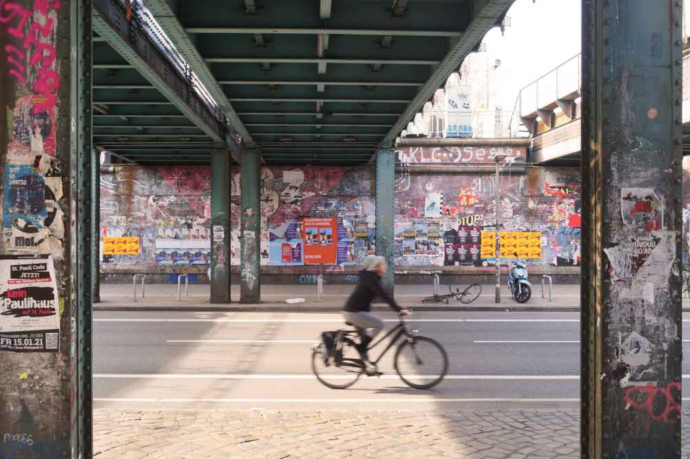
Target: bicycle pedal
375	373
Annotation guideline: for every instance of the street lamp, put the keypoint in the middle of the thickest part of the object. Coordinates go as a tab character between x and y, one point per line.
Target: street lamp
497	195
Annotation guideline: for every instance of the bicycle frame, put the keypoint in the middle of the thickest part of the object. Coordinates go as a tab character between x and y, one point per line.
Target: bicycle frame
399	330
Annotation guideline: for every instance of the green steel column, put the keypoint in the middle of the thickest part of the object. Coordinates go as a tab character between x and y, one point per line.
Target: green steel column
220	231
631	229
250	237
45	136
82	164
96	228
385	212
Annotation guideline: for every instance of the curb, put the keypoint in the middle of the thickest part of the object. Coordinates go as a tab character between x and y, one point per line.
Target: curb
290	308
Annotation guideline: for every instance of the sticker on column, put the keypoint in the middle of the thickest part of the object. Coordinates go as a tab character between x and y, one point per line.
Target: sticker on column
218	233
29	311
642	209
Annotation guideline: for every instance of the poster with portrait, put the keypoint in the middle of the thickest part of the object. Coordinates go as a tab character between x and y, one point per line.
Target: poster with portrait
29	308
320	241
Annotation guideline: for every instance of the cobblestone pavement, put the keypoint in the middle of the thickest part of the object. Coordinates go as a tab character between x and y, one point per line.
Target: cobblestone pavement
509	434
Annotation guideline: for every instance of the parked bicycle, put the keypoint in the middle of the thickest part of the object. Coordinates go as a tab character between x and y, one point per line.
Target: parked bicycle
467	296
421	362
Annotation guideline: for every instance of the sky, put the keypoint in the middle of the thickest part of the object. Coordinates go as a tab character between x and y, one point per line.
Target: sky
543	34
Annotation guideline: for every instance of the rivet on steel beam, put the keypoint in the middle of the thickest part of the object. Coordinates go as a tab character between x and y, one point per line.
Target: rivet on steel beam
678	82
678	142
678	43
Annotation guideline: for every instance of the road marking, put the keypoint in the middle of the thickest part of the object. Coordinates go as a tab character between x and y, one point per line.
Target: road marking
242	341
537	342
527	342
340	321
330	400
312	377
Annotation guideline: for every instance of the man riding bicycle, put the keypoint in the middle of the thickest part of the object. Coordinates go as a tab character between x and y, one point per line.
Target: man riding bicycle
357	309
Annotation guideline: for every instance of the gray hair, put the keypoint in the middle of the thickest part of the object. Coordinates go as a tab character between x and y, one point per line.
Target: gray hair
372	262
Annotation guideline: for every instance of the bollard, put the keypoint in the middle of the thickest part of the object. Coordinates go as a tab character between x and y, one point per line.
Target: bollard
143	285
543	280
319	287
437	284
134	282
179	286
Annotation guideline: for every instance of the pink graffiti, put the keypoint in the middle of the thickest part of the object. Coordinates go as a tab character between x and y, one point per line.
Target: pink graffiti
45	54
660	403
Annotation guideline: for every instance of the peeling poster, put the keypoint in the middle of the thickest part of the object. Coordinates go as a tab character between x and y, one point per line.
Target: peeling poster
642	209
29	314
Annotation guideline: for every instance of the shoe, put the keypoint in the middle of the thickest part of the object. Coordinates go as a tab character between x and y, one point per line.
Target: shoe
370	369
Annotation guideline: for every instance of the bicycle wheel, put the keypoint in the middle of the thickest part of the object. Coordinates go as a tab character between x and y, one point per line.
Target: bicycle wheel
471	293
421	363
337	375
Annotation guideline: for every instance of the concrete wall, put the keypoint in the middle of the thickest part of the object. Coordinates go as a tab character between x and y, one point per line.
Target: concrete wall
168	209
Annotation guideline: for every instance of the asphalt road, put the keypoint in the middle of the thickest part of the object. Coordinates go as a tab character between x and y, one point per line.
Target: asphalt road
262	360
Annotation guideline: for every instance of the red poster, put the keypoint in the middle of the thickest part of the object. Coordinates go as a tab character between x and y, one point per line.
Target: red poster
320	241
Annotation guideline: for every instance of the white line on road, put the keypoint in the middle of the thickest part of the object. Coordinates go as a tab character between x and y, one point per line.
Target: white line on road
311	377
526	342
331	400
330	320
243	341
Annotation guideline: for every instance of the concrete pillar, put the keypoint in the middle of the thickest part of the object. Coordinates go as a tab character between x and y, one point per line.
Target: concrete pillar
46	165
96	227
250	226
385	211
631	229
220	228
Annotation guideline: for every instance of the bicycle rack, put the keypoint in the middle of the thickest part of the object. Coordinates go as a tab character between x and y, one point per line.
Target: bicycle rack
179	286
143	285
437	285
543	281
319	287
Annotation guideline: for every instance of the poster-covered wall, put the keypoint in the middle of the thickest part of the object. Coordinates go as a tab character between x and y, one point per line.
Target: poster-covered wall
439	219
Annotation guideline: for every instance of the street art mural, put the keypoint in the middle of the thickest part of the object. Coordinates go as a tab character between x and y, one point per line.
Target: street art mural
167	209
330	211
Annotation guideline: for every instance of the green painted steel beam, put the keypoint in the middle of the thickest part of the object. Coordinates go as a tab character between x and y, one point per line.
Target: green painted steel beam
169	22
103	12
250	225
318	134
123	86
305	31
385	212
114	66
139	115
316	83
132	102
319	125
334	101
486	15
316	61
316	114
220	227
96	135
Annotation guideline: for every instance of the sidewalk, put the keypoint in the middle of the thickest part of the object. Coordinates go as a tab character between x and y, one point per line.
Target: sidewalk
119	297
460	434
510	434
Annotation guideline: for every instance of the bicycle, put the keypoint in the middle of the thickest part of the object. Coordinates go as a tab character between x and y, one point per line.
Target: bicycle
344	365
467	296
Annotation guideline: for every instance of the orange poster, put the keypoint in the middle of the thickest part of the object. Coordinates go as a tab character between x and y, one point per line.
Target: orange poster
320	241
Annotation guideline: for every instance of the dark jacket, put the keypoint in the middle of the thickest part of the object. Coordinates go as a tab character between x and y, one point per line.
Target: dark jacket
368	288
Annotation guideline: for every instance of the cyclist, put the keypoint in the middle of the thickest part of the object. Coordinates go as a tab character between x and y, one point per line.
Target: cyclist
357	310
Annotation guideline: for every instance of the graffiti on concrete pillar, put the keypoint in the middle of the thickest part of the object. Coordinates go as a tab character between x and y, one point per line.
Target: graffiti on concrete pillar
33	219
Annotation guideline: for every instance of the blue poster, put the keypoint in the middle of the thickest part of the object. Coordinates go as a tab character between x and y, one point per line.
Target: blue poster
286	244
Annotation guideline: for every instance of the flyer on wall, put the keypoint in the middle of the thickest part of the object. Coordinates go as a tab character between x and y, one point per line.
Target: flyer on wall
320	241
29	311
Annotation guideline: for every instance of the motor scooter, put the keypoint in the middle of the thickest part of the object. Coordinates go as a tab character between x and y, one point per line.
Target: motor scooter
520	287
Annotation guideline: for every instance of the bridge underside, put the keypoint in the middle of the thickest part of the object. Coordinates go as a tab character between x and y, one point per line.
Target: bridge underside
323	82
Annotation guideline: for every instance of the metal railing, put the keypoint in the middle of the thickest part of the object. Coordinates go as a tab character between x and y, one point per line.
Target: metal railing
559	83
467	125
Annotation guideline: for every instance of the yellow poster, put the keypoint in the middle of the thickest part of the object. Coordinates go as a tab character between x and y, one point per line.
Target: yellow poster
121	246
514	244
